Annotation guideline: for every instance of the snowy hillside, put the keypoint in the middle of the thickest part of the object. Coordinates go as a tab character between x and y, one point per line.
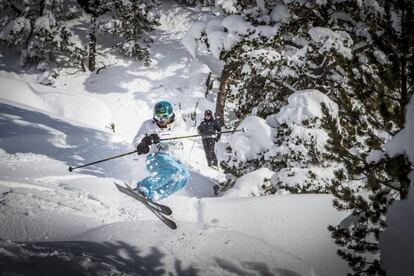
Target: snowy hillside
56	222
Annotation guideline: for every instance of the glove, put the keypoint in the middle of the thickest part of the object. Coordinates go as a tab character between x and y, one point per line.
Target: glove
142	148
217	138
148	140
155	139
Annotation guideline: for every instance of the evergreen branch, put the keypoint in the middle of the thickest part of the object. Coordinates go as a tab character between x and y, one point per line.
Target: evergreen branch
392	98
15	8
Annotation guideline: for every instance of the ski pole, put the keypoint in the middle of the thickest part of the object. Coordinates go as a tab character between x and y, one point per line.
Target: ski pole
163	139
202	135
99	161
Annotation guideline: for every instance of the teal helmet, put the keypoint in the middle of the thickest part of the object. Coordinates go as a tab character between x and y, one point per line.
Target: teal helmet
163	111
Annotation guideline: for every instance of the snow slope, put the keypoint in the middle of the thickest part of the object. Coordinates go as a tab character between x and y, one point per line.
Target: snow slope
57	222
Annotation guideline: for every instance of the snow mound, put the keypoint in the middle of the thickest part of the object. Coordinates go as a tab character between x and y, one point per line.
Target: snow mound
84	109
74	107
192	250
21	92
305	105
250	184
256	139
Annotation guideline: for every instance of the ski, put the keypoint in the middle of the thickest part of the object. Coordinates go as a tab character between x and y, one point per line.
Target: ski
157	209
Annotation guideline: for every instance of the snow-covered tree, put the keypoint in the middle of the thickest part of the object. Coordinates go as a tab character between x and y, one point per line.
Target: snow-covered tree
348	51
197	2
126	21
381	83
37	28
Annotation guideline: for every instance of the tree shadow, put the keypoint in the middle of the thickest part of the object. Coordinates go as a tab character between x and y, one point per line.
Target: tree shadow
29	131
252	268
84	258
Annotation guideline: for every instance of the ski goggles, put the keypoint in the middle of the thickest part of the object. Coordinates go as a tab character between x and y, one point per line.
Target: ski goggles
162	118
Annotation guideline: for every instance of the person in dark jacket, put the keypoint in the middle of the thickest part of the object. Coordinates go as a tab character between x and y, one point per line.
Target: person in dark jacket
211	128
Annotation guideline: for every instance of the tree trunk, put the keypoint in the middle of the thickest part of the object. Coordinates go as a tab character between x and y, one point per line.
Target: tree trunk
404	90
221	95
92	47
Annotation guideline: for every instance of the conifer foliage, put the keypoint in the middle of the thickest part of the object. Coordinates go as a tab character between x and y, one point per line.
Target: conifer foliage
373	110
37	28
360	55
41	29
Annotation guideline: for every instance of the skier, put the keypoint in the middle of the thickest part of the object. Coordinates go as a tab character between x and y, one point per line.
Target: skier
168	175
211	128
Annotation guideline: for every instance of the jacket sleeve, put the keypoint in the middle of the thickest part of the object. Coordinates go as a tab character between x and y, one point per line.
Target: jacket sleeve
143	130
217	127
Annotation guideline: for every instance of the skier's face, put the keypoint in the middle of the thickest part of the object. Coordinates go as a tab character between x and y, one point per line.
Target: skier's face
164	123
207	115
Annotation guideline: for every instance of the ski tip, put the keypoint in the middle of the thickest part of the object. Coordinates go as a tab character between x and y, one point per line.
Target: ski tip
173	226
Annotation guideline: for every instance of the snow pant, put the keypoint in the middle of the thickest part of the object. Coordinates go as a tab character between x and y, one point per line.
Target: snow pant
208	145
167	176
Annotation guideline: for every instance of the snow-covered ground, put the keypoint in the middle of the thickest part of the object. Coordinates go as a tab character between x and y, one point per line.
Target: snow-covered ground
56	222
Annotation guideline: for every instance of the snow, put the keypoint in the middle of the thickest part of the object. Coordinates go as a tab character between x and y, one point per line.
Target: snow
280	13
340	41
62	223
250	184
397	240
61	104
20	25
256	139
305	105
222	33
374	156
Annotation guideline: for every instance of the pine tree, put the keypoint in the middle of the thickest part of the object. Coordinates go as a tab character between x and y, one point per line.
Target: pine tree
135	18
126	20
38	29
381	82
305	53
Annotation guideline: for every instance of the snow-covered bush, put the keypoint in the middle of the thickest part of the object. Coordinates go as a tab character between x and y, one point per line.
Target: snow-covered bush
291	143
299	154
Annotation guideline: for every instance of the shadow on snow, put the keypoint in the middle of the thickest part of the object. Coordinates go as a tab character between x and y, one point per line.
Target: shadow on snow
83	258
28	131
